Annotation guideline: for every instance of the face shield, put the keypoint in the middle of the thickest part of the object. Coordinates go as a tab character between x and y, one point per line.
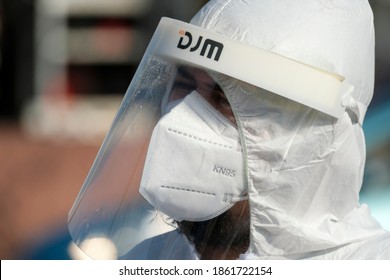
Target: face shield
173	156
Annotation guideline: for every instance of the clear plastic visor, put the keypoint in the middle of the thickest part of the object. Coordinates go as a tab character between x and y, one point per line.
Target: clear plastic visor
110	217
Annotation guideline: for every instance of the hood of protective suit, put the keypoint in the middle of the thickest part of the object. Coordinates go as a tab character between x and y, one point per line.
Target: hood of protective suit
303	168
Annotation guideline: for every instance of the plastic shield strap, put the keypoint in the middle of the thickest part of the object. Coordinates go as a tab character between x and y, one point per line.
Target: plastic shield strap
281	75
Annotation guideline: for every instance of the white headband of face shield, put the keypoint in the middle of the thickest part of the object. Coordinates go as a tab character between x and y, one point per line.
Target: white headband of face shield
313	87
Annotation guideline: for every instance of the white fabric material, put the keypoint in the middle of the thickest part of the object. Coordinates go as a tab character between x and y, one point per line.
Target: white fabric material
192	148
303	169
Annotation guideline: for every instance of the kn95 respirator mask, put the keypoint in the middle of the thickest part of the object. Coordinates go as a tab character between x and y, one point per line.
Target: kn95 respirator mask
193	169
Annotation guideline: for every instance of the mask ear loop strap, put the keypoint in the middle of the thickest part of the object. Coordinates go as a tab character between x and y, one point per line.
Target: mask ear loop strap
357	108
234	199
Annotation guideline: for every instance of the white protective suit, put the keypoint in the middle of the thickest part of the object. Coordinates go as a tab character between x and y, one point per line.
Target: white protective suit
304	169
301	169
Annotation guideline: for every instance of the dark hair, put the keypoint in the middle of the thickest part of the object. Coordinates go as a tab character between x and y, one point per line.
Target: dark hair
219	232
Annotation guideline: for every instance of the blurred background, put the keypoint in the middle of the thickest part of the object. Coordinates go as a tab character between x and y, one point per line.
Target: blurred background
65	65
